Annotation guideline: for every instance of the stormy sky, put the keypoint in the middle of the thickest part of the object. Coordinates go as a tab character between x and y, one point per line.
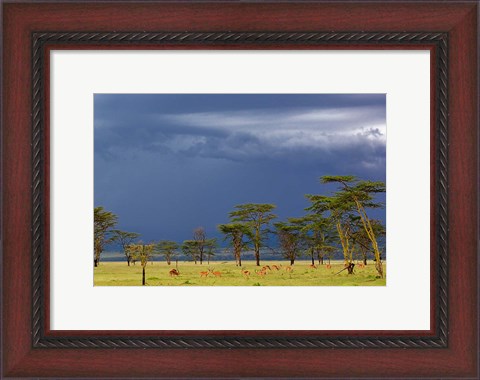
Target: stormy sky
167	163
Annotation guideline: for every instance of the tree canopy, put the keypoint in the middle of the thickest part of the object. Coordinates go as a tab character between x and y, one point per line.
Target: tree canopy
335	221
235	233
125	239
256	216
167	248
103	221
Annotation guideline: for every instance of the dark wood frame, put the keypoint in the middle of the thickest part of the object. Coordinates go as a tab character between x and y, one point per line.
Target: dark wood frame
30	348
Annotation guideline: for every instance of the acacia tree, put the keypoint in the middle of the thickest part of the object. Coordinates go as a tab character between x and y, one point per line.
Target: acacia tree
256	216
199	246
189	248
361	195
380	233
340	212
319	236
291	238
210	246
329	252
142	252
235	233
362	240
103	222
167	248
200	238
125	239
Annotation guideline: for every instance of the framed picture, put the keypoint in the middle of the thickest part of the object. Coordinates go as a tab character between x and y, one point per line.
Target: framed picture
278	190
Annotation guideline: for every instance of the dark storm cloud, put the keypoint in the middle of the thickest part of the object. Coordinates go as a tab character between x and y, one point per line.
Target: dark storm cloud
248	133
162	160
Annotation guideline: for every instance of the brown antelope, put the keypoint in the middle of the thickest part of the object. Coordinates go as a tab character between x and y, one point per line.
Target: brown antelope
245	273
174	272
312	266
261	273
276	267
361	265
266	267
204	274
288	269
329	266
216	274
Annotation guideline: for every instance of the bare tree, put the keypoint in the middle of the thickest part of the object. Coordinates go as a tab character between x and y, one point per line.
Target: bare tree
199	236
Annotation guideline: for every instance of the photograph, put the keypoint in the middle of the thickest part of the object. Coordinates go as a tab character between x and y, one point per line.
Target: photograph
240	189
279	189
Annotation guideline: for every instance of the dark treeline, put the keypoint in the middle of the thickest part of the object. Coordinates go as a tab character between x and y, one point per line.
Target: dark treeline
332	223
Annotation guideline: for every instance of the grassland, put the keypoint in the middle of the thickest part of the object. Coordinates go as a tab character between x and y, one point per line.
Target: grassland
157	274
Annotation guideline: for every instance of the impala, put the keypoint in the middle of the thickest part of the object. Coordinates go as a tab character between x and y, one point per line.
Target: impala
261	273
174	272
216	274
245	272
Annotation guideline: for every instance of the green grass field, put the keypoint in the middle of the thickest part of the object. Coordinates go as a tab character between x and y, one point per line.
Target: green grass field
157	274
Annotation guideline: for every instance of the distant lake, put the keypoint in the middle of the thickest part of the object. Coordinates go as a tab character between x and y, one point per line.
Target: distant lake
219	256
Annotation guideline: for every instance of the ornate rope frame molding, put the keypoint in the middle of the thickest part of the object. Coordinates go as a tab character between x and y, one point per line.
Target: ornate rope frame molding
40	39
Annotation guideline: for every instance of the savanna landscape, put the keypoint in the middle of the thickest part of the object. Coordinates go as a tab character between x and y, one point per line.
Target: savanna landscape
237	190
332	223
301	274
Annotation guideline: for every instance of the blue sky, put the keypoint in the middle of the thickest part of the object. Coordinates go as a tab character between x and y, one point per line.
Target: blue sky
168	163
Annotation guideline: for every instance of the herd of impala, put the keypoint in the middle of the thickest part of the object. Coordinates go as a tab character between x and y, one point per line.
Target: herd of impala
246	273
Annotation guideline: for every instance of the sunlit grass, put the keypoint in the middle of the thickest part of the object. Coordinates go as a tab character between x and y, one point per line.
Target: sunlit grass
157	274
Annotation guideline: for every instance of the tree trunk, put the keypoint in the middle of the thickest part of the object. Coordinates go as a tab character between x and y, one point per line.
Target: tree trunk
365	260
239	261
321	260
292	261
379	268
143	275
369	230
313	261
350	268
128	261
257	250
95	262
